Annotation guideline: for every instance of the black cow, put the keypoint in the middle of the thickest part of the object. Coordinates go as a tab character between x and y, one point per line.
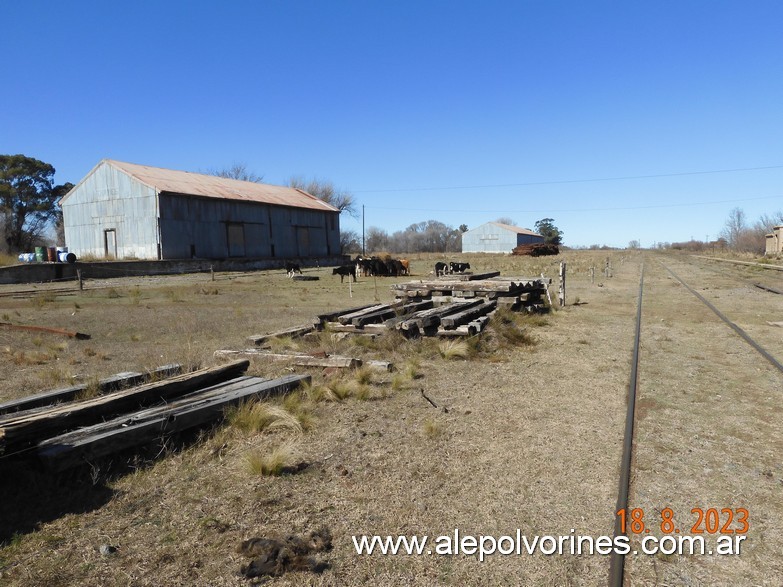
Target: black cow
343	270
394	267
459	267
291	268
440	269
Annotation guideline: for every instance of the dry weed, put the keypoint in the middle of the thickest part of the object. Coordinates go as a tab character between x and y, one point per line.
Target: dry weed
93	389
454	349
432	428
255	416
272	463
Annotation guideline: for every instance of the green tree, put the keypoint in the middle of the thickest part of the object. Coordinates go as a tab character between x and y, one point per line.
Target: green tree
551	233
28	200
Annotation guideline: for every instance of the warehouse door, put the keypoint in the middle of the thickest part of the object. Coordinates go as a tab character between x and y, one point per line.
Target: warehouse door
303	241
236	239
110	243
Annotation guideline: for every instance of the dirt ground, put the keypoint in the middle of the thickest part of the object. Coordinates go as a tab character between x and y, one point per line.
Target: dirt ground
527	432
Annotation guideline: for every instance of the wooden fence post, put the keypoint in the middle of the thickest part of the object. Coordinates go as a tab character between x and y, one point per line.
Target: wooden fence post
79	277
562	290
592	275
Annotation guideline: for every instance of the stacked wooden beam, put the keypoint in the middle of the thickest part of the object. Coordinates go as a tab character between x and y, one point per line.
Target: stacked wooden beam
516	293
374	318
190	411
130	416
451	319
113	383
305	360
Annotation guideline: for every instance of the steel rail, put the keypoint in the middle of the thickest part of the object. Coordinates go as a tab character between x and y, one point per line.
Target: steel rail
617	562
773	361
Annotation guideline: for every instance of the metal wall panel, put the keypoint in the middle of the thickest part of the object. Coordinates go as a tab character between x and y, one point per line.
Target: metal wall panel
491	238
193	226
107	199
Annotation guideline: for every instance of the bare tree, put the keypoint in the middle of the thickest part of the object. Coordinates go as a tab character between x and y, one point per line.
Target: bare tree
325	190
734	227
350	242
377	240
237	171
506	220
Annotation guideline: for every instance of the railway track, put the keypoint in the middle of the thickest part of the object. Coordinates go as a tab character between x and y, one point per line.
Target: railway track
637	486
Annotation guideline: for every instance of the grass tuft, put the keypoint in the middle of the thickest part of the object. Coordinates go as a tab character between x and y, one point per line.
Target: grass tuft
432	428
255	416
454	349
273	463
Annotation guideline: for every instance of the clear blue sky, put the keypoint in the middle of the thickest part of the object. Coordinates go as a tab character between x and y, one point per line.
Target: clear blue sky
456	111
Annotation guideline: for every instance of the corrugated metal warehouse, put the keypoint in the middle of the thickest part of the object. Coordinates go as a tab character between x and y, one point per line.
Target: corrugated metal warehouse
127	211
494	237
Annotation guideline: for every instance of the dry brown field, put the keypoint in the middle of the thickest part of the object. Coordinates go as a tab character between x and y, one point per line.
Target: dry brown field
527	433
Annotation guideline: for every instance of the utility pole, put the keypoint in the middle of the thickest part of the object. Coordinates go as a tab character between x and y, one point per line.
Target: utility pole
362	230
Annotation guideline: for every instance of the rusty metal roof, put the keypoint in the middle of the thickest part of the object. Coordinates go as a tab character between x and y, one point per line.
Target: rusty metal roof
212	186
515	229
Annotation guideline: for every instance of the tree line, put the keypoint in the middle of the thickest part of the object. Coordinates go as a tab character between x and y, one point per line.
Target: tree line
29	210
749	237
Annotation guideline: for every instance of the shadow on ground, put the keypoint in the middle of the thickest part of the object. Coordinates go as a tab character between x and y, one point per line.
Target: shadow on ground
32	497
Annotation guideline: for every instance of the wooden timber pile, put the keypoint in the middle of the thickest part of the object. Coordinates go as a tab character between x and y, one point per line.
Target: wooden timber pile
514	293
69	433
536	249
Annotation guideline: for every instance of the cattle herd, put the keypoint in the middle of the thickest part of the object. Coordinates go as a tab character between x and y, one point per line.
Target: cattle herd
381	267
453	267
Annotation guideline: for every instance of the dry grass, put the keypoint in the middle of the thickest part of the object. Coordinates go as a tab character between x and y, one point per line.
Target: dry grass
256	416
273	462
432	428
454	349
524	436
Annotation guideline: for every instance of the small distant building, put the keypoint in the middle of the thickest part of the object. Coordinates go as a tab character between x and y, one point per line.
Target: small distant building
494	237
128	211
775	241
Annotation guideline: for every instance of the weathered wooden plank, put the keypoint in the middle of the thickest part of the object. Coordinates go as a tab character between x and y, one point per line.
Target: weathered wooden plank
295	359
394	311
348	318
332	316
382	328
45	329
337	327
768	288
380	366
428	318
471	276
378	316
197	409
113	383
459	318
22	431
464	330
293	332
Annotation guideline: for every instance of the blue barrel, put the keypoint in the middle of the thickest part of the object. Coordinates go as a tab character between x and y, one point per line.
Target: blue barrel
27	258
